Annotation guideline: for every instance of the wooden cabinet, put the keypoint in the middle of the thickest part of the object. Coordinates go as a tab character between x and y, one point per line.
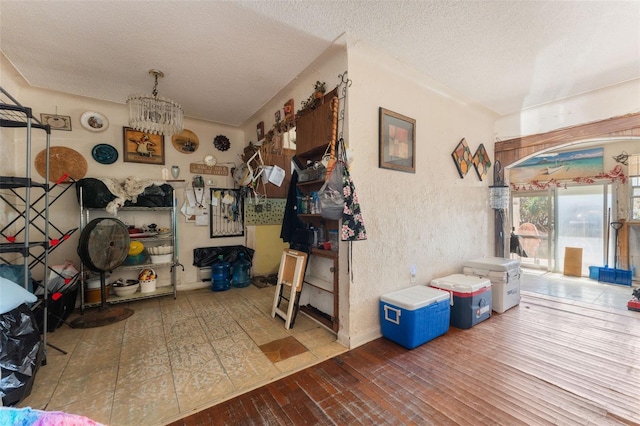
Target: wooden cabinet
284	162
319	298
314	128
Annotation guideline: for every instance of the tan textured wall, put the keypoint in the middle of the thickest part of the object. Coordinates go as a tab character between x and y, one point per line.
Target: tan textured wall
65	213
432	219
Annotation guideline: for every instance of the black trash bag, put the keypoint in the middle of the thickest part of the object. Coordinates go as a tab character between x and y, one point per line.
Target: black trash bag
207	256
154	196
21	354
95	194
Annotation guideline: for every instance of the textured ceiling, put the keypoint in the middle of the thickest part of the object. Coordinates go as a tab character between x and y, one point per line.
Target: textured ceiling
224	59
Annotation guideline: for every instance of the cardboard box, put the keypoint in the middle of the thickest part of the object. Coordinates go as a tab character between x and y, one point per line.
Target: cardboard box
573	261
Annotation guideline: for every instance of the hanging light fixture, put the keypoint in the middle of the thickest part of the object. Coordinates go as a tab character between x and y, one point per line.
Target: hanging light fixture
153	114
499	192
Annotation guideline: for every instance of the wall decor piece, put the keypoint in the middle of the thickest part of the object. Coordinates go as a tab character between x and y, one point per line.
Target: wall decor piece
57	122
462	157
278	116
397	142
142	147
561	166
226	213
186	142
221	142
94	121
481	162
260	131
204	169
210	160
289	113
104	153
64	163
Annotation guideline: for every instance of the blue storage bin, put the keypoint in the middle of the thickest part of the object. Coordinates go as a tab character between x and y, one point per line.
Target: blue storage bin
615	276
414	315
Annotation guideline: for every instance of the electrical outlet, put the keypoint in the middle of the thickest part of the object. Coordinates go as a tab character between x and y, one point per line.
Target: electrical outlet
413	273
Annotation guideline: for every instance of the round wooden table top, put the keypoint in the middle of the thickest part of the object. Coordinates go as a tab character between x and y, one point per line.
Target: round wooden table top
61	160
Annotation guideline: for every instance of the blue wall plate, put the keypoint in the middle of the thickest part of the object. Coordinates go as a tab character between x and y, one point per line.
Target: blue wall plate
104	153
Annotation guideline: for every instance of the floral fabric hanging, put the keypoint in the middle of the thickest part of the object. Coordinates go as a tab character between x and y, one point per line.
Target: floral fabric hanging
352	222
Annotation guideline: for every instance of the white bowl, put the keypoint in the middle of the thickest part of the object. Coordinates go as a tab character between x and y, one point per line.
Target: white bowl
158	250
161	258
126	290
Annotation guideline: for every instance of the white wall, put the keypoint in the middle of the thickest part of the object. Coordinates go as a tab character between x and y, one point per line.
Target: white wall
432	219
325	68
65	212
600	104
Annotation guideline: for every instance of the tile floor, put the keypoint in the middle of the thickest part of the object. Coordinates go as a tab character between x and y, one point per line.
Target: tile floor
576	289
174	357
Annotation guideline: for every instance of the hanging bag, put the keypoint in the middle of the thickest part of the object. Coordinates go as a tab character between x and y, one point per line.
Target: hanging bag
331	196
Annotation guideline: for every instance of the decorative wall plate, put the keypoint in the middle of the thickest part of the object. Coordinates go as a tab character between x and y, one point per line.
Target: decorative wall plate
104	153
221	142
210	160
94	121
186	142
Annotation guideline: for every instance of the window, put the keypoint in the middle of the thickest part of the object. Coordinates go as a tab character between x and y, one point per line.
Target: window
634	185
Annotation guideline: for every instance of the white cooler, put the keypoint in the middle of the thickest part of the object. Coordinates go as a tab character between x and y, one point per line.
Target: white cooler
504	275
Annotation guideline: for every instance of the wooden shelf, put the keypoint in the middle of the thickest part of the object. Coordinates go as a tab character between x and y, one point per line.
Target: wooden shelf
320	317
324	253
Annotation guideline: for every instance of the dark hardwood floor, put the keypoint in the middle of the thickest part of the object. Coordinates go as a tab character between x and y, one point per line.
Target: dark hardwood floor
543	362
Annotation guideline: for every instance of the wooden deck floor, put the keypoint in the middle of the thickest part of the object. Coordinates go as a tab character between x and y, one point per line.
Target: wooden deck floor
542	362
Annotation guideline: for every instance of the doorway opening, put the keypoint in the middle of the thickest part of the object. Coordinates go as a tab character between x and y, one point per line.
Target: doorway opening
550	220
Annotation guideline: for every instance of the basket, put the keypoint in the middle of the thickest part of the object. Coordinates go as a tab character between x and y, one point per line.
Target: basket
148	286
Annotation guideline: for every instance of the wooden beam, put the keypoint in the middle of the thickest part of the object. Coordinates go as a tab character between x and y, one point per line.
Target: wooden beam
512	150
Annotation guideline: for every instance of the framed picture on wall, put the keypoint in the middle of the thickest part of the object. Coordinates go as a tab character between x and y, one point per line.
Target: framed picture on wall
142	147
57	122
397	142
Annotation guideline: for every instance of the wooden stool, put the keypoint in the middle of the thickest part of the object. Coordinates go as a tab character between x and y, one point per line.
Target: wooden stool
290	274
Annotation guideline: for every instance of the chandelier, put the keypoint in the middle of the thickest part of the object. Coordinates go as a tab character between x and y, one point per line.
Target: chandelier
153	114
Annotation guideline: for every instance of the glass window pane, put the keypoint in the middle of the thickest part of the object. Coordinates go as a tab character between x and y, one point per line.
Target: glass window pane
635	214
581	224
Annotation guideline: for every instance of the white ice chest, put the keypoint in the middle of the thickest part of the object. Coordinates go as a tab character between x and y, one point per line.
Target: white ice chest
504	275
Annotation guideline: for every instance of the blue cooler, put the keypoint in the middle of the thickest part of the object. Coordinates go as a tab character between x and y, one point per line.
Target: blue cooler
470	298
414	315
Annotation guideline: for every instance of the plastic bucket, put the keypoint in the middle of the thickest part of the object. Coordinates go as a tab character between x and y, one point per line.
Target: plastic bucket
148	286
